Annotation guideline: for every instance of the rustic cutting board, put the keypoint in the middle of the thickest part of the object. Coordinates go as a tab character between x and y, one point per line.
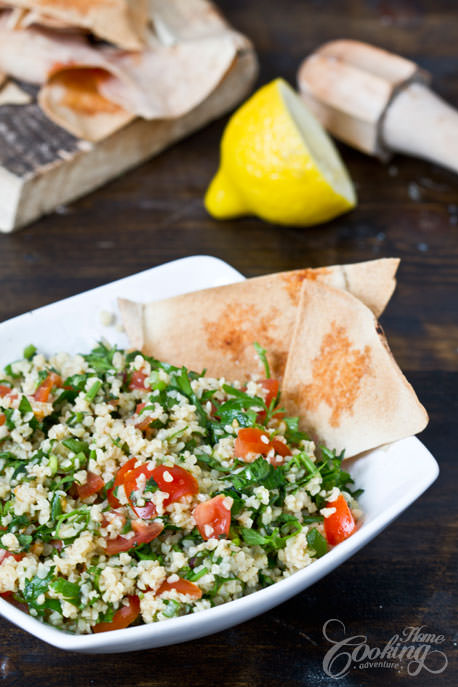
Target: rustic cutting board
43	166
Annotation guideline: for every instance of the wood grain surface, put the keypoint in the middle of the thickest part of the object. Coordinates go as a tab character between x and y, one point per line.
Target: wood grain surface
408	575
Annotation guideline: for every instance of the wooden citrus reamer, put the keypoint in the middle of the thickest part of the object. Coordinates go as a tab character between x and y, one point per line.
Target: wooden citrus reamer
378	102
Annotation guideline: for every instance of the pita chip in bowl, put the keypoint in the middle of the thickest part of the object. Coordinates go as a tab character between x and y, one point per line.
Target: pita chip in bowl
341	378
215	328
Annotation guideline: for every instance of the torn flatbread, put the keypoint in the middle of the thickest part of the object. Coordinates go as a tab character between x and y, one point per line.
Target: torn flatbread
215	328
183	76
121	22
93	91
341	378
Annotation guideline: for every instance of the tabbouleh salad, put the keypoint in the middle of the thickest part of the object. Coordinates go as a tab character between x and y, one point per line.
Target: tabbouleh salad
133	491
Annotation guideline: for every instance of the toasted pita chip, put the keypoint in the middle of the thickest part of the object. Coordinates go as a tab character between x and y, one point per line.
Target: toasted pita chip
215	328
121	22
341	378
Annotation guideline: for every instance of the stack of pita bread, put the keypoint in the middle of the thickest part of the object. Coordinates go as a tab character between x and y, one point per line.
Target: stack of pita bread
102	63
322	336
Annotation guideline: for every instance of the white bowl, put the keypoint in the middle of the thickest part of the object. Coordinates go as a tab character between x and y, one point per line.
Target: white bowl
392	477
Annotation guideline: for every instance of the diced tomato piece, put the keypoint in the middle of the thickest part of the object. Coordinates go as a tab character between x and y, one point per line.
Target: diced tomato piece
280	448
94	484
130	484
281	451
249	440
45	388
144	533
9	596
119	479
177	483
7	391
2	419
144	421
182	587
182	483
137	380
213	514
124	617
341	524
271	387
7	554
144	424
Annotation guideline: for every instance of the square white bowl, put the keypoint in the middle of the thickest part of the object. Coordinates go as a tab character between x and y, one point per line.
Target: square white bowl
392	476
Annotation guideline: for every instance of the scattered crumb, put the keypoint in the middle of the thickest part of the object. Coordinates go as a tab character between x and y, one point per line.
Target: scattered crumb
85	145
107	318
62	210
423	247
414	191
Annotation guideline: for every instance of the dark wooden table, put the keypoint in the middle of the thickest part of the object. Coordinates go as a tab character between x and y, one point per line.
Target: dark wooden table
407	575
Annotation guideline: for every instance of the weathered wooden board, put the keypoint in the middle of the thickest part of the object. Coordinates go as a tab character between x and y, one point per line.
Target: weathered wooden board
43	166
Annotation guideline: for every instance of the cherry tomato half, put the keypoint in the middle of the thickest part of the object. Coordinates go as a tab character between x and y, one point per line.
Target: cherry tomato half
124	617
144	533
341	524
213	517
93	485
174	481
137	380
112	500
251	440
45	388
182	587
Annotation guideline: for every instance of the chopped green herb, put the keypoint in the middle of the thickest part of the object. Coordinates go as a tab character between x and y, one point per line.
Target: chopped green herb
24	406
94	390
317	542
262	353
69	590
29	352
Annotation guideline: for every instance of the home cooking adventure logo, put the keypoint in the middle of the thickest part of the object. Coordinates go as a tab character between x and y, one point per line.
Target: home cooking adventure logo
412	650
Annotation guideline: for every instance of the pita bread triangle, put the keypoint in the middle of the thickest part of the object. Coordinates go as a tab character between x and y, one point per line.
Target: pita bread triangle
341	378
215	328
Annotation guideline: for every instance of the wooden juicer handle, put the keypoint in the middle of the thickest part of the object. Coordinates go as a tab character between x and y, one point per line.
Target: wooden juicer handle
379	102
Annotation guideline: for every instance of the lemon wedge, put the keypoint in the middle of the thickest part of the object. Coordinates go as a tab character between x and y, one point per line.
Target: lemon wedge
278	163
